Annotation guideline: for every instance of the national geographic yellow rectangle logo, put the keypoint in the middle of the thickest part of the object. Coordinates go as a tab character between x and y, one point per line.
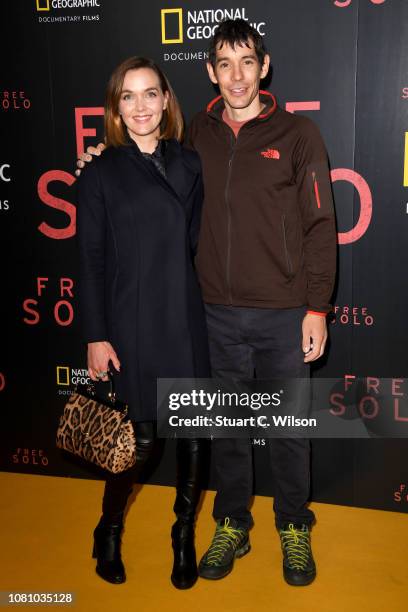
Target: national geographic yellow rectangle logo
164	14
63	375
43	5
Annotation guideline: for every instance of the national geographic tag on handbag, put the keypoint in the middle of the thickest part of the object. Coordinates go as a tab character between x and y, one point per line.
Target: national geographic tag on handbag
98	430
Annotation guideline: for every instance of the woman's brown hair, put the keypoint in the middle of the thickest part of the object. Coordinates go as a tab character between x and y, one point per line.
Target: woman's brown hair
172	124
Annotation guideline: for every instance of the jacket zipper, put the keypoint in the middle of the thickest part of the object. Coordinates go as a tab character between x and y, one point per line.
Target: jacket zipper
229	220
316	189
285	246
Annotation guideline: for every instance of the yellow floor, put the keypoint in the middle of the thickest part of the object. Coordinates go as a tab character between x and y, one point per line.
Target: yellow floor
46	526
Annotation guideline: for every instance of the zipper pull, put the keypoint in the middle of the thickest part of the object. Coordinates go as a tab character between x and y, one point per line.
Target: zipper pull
316	189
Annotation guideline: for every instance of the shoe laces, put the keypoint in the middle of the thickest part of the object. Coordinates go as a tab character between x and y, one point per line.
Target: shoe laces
225	536
296	546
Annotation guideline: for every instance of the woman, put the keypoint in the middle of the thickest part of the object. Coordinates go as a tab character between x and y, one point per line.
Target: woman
139	207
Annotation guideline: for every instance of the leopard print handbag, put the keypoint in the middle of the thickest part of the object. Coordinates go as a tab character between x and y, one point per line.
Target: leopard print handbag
98	431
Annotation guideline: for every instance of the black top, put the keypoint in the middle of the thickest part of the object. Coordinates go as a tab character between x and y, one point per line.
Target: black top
157	157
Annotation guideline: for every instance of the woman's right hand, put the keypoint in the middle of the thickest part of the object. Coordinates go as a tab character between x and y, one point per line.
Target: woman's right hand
99	355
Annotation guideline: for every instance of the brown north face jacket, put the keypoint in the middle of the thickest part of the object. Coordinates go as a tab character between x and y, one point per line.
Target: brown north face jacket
268	236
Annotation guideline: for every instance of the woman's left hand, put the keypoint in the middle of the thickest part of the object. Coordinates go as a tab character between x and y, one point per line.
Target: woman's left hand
99	356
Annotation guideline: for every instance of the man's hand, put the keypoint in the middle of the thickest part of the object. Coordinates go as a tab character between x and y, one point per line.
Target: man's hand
99	355
314	330
87	157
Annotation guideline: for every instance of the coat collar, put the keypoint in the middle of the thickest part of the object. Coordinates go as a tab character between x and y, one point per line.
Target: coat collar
180	175
180	178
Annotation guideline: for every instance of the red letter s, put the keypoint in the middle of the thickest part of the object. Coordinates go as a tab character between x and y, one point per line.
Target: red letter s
54	202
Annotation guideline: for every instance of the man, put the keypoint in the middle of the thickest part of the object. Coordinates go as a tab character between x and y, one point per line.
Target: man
266	263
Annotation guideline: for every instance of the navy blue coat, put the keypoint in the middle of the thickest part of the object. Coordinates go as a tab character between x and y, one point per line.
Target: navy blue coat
137	233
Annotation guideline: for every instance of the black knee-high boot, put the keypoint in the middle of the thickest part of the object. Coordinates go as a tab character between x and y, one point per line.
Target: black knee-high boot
189	487
107	534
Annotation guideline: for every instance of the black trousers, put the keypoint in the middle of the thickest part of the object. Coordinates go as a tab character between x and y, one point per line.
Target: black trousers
189	475
266	343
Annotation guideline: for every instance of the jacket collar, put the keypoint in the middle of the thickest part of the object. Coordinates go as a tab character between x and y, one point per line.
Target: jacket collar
215	107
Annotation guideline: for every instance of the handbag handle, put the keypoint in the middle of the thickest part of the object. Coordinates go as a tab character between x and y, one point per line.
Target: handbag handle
111	395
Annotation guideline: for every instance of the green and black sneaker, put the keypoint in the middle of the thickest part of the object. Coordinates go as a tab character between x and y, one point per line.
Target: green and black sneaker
229	542
298	565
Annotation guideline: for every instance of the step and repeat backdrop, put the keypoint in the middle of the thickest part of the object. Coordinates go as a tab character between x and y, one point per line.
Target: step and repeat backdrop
343	63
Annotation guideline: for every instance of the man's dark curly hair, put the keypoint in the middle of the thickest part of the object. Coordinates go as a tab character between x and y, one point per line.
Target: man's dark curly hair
236	32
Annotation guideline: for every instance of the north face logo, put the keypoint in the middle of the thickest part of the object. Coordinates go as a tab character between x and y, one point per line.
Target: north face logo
271	154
